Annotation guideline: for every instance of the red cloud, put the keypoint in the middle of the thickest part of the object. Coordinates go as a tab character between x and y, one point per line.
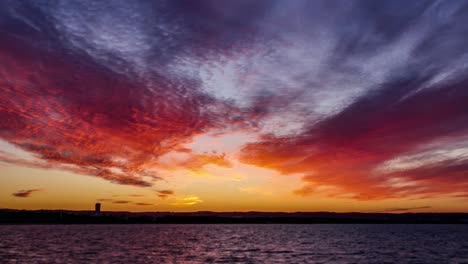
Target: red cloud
340	155
75	115
80	106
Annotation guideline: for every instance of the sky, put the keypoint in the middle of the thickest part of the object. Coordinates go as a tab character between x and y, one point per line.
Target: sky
240	105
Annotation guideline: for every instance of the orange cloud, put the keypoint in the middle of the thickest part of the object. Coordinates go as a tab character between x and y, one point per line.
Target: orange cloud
187	201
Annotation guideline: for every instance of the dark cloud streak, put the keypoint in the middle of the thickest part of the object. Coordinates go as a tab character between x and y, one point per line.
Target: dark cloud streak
163	194
25	193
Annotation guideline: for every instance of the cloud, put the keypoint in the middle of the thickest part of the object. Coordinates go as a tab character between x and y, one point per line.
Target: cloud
25	193
143	204
192	160
187	201
165	193
136	195
406	209
123	202
406	109
120	202
76	112
401	209
363	111
120	178
105	200
344	149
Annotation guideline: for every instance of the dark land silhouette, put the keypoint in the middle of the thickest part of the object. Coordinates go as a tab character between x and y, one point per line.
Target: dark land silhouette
12	216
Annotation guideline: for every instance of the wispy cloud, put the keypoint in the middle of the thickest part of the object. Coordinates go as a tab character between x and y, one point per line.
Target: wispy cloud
123	202
400	209
143	204
120	201
25	193
136	195
187	201
165	193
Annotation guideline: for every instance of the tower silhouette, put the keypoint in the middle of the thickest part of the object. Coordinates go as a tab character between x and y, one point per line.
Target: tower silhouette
97	209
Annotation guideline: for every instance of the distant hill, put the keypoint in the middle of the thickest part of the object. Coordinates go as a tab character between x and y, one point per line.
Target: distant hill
11	216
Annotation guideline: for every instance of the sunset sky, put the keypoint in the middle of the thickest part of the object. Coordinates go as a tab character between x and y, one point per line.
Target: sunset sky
242	105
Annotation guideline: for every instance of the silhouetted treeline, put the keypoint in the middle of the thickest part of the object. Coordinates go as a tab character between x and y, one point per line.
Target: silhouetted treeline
8	216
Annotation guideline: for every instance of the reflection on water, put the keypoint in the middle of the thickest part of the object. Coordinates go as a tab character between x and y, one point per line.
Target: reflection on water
234	244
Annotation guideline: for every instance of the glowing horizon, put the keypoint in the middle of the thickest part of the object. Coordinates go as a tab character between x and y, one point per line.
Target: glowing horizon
234	106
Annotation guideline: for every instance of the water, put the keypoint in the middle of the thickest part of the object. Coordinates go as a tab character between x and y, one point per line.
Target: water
234	244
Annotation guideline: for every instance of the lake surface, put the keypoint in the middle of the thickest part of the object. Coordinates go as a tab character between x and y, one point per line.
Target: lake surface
327	243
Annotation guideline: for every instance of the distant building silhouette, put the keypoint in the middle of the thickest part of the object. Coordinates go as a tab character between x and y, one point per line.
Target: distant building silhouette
97	209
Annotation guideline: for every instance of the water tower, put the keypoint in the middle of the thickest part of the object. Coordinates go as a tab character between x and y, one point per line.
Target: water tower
97	209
